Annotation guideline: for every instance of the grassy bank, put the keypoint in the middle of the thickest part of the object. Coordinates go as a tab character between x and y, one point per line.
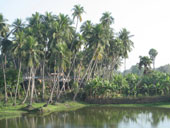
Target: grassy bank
10	111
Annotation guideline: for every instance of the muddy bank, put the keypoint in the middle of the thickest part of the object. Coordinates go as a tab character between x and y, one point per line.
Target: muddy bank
139	100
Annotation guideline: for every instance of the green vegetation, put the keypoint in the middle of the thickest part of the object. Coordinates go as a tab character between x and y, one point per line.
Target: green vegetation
46	57
152	84
46	60
9	111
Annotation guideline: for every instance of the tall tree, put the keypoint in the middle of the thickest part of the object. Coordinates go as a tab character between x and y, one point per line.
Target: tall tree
18	26
4	47
4	28
107	19
31	55
17	50
125	36
145	62
153	53
78	10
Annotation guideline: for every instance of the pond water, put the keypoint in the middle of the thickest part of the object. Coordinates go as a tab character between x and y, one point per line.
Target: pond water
95	117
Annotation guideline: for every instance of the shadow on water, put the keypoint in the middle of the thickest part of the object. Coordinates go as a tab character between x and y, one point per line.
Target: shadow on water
95	117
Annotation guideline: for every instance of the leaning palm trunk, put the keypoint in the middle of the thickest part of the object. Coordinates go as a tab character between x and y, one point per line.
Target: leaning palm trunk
93	67
77	90
63	87
52	91
67	77
16	90
84	76
28	89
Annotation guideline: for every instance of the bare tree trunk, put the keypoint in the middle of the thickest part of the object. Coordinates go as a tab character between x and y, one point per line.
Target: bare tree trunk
16	90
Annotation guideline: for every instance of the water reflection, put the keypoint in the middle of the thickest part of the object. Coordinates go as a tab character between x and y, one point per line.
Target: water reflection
95	117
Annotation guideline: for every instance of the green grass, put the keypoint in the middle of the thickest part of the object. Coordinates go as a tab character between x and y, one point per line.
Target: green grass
160	105
10	111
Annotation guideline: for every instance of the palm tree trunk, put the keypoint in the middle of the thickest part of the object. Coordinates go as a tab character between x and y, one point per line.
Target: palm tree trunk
60	91
88	68
28	89
90	72
33	85
77	24
52	91
43	90
75	95
153	64
16	90
4	72
125	64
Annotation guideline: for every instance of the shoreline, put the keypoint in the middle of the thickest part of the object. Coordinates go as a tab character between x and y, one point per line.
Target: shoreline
17	111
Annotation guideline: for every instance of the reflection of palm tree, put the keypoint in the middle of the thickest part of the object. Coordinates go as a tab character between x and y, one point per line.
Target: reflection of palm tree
96	117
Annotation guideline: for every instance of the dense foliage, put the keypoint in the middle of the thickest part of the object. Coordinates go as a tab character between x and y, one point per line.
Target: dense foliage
154	83
47	56
54	56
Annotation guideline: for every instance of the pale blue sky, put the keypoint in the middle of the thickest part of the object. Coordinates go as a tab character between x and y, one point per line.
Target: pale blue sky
148	20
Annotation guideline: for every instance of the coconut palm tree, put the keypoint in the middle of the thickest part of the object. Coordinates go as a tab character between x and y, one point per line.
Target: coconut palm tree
17	50
153	53
63	61
95	48
18	26
107	19
5	50
78	10
125	36
4	28
86	29
59	49
4	47
31	55
145	62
